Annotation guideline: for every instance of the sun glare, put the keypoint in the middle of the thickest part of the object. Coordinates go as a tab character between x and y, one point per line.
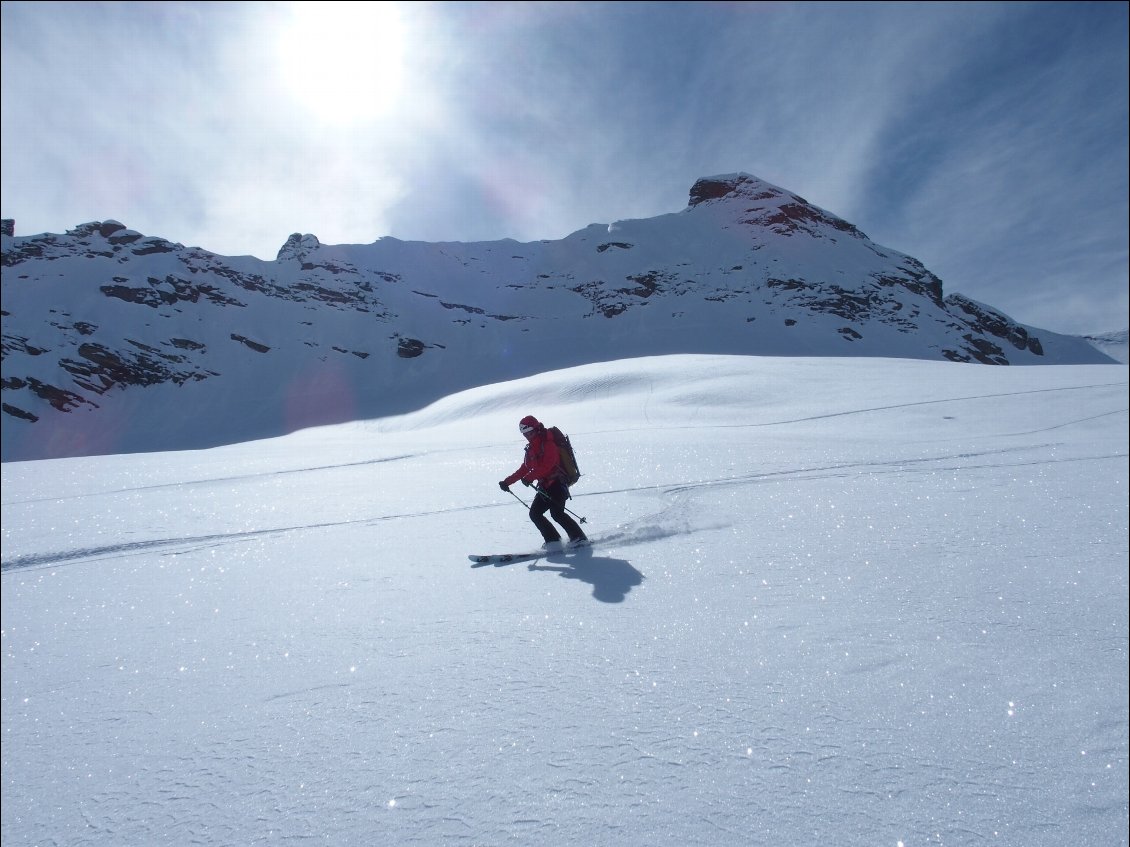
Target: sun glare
343	61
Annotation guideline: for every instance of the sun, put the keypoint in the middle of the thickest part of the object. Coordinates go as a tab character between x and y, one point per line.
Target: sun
343	61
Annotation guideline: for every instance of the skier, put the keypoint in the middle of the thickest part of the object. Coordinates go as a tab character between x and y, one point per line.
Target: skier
541	465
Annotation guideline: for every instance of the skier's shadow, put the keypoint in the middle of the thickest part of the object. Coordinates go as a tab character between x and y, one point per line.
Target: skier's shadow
611	579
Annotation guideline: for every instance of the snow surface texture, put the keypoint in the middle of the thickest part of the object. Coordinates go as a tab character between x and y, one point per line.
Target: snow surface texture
836	602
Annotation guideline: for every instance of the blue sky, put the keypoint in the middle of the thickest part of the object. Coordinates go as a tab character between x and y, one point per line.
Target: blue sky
988	140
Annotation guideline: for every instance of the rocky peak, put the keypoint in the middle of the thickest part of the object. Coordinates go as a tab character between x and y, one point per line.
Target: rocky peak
735	186
762	205
103	228
298	247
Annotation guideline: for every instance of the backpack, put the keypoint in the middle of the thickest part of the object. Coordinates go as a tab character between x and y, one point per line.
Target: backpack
570	473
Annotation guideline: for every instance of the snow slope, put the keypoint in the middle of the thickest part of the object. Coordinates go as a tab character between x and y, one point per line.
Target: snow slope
833	601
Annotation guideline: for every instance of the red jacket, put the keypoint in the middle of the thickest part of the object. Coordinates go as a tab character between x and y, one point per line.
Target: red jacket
541	460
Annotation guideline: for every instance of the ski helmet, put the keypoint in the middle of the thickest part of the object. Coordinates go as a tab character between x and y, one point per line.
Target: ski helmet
529	425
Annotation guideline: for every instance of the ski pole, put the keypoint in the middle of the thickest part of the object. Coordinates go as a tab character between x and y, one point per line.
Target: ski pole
539	491
567	509
516	497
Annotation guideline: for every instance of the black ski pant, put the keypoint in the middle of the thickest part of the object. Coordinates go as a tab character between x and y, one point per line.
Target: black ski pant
552	499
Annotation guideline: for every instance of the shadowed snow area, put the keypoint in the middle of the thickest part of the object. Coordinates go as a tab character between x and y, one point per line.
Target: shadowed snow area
831	601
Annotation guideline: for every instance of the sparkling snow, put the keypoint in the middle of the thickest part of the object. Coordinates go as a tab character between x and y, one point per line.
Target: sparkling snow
832	602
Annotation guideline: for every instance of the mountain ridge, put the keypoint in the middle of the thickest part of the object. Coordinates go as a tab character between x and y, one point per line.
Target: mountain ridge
115	341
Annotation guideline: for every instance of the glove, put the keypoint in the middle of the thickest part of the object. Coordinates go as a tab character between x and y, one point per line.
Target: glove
503	486
527	483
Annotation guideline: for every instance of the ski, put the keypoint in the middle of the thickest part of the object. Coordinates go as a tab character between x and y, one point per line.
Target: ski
507	558
504	558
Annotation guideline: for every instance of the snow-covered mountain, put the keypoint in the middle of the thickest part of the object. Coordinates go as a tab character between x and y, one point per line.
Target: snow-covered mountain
118	342
1113	344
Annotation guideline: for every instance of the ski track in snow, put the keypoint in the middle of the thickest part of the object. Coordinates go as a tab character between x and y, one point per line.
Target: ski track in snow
894	466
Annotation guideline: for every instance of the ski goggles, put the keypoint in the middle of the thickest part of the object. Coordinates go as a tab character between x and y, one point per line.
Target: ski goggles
526	429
